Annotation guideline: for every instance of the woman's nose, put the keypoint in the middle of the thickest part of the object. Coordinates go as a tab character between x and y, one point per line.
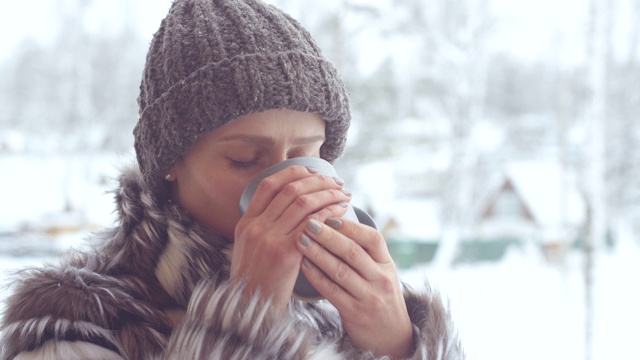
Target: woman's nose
274	160
280	157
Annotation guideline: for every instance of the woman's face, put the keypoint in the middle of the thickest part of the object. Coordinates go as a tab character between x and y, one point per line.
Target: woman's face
210	178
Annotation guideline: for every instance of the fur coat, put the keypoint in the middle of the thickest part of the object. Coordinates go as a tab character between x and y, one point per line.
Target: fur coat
156	287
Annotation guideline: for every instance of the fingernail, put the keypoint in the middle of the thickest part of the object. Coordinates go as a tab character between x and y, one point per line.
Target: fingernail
312	169
314	226
305	240
334	223
307	262
347	192
344	204
338	181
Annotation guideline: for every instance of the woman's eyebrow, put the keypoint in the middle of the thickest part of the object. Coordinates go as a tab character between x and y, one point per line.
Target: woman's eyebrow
266	140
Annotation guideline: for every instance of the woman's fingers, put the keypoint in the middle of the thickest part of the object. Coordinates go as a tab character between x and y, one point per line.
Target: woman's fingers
349	264
269	187
331	276
289	196
310	205
341	258
370	317
341	296
370	239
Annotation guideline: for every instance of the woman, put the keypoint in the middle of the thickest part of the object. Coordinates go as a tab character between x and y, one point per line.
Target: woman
230	87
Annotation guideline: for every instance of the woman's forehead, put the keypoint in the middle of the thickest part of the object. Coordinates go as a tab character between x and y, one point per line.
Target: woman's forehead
273	124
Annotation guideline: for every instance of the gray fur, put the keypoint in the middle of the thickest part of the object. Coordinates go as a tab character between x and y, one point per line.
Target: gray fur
157	287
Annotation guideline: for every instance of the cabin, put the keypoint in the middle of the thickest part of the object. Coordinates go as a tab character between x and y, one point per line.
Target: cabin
532	203
527	207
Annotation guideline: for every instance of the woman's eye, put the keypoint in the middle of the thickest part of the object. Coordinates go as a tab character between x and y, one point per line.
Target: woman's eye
242	164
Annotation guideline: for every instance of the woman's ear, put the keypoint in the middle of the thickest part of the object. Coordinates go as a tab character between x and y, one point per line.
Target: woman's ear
171	175
170	179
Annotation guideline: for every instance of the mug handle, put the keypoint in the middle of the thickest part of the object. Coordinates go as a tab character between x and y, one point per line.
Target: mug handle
364	217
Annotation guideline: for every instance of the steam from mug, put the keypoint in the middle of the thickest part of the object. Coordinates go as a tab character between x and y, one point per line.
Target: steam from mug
303	290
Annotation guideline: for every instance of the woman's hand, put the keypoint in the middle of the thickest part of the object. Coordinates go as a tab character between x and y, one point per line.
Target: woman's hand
350	265
264	252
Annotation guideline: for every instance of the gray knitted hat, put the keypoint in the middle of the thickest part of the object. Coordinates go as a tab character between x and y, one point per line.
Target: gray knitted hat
213	61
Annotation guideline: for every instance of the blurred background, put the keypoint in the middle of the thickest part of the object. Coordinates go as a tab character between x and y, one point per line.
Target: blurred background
496	143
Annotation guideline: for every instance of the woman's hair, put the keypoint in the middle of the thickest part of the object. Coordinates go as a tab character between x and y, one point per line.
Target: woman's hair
213	61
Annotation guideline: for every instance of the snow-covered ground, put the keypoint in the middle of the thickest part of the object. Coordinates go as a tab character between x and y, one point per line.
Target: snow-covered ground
523	308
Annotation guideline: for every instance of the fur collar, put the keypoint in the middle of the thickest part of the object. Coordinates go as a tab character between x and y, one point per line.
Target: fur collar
159	243
127	295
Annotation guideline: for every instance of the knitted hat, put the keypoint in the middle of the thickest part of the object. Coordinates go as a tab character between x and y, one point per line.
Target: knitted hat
213	61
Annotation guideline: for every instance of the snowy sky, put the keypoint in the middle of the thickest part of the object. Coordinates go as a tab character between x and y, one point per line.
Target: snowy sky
529	29
533	29
22	19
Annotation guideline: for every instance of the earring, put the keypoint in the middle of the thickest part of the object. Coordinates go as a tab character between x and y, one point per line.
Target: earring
169	177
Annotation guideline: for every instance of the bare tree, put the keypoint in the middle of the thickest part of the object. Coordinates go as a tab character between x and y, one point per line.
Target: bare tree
599	38
462	29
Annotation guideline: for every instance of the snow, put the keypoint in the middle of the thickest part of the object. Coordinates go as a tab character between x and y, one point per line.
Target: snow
523	308
552	200
416	219
487	137
35	190
375	184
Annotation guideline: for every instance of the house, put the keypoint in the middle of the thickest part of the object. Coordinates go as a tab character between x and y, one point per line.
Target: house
532	203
